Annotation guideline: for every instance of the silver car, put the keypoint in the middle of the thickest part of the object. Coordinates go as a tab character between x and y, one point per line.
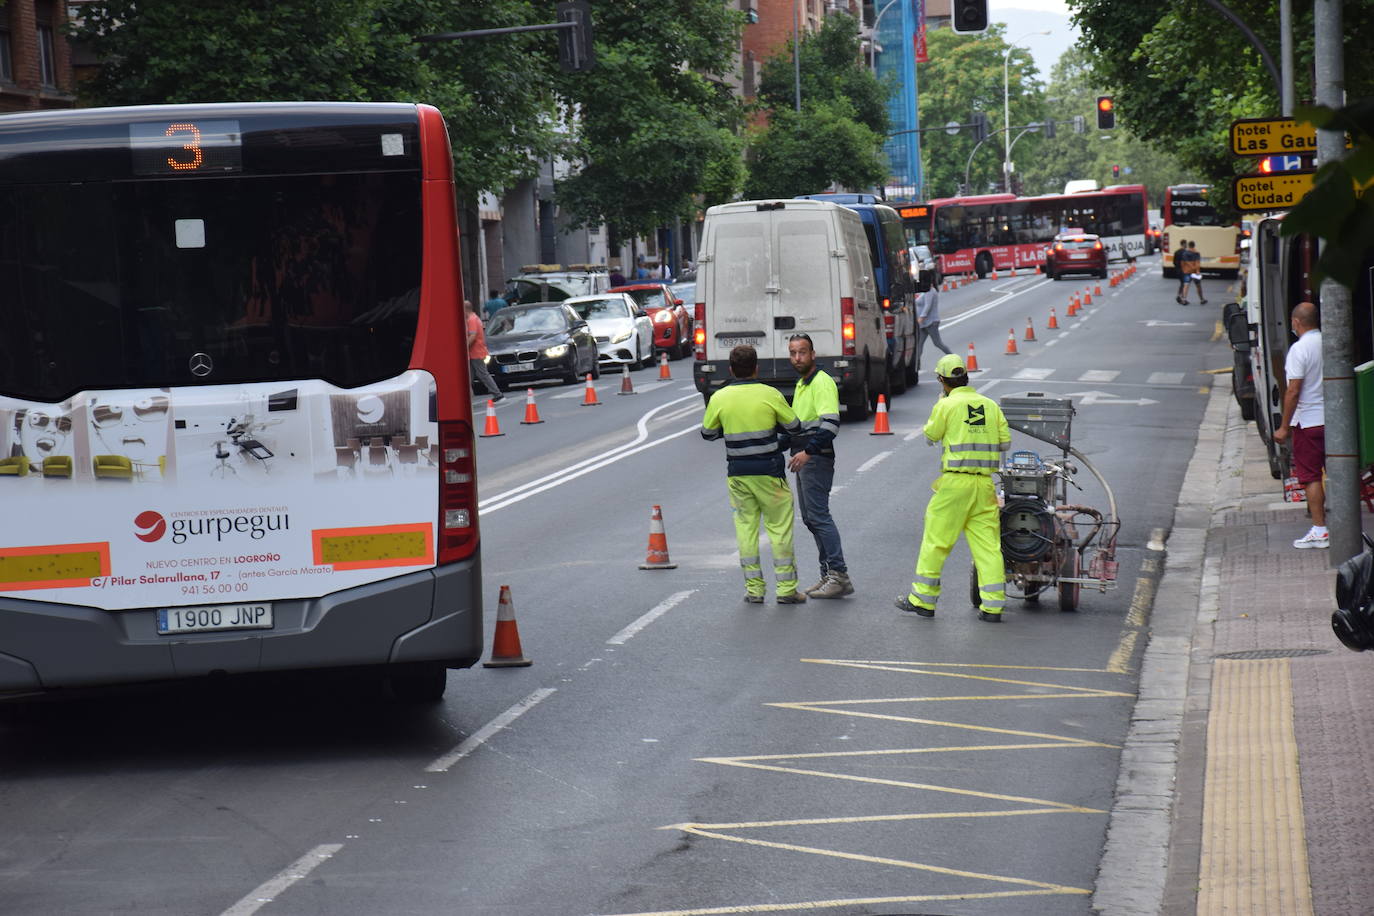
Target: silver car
624	331
922	259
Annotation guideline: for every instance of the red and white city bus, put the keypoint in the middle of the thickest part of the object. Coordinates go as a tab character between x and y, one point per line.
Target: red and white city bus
1000	231
235	425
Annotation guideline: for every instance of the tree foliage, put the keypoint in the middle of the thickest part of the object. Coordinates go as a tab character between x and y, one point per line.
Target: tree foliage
1181	73
1333	210
654	125
836	138
965	75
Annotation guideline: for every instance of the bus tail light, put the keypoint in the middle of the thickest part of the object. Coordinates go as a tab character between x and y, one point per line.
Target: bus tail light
847	331
699	330
457	492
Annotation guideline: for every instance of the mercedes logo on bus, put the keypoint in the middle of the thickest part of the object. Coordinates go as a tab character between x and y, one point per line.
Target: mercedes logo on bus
201	364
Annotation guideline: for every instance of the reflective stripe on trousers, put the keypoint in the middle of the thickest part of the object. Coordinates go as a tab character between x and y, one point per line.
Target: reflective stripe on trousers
755	499
964	503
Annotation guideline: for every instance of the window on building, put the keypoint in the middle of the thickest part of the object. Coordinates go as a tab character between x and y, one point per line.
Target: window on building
47	48
6	62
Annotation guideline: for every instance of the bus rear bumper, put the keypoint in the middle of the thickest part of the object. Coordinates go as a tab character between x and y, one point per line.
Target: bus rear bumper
434	615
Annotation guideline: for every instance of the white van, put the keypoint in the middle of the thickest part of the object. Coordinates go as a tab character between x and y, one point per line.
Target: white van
769	269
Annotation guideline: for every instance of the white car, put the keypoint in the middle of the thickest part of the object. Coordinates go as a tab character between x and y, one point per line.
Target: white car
624	331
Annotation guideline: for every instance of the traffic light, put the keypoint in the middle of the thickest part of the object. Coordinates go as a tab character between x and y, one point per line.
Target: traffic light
1106	113
980	126
575	44
968	16
1049	129
1116	171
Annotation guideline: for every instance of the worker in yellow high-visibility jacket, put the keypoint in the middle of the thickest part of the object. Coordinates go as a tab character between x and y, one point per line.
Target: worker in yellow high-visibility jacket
974	434
749	415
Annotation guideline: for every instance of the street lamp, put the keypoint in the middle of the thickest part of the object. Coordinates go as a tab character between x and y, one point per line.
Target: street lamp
1006	108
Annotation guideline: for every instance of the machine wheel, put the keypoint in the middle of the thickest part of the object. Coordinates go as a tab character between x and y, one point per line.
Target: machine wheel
1069	568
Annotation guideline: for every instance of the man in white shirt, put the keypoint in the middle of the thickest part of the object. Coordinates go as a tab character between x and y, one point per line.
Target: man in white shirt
1304	414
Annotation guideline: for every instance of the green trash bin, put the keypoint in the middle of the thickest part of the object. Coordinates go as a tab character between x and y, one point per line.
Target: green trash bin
1364	407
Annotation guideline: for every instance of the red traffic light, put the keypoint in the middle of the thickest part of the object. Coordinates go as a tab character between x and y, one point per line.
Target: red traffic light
1266	167
1106	113
1104	103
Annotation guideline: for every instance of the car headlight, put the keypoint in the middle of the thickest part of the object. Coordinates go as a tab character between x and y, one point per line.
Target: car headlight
621	337
555	352
663	317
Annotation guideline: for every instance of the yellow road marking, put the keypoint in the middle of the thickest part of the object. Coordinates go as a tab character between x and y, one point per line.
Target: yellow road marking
1254	848
872	818
1224	371
854	901
1203	389
813	707
863	663
1141	600
887	666
900	863
1121	658
821	755
900	784
1217	332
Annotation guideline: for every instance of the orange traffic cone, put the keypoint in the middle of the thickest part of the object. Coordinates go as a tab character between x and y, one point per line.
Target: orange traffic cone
1030	329
589	399
1053	323
492	427
626	386
505	644
880	427
531	411
1037	269
1097	290
657	557
1012	272
971	364
1113	281
1011	343
1088	298
994	274
663	371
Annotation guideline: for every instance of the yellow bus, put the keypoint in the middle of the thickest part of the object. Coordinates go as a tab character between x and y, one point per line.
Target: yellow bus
1190	217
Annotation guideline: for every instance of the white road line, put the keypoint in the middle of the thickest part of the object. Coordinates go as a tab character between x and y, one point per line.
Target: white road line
658	611
689	388
915	433
643	427
950	322
1032	374
1076	324
274	886
1050	343
1099	375
1164	378
581	392
480	737
678	414
871	462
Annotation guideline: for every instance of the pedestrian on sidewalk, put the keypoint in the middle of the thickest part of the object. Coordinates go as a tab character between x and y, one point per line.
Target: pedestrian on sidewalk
1304	414
816	403
974	434
928	322
477	352
749	415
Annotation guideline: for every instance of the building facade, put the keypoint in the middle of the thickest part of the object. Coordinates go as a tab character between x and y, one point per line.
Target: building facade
35	58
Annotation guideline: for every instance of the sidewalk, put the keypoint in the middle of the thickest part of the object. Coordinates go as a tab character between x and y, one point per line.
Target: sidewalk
1247	782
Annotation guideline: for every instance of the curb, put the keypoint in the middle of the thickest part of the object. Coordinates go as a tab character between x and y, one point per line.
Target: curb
1169	722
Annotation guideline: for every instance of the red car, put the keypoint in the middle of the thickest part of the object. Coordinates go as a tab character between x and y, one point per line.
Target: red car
672	320
1076	253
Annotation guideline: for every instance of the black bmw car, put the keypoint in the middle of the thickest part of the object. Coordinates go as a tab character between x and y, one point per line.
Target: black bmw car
540	340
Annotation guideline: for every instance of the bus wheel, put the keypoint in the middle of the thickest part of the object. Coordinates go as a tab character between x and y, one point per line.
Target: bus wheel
417	683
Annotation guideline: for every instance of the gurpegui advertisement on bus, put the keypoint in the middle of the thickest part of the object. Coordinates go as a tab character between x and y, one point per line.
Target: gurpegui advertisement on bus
223	494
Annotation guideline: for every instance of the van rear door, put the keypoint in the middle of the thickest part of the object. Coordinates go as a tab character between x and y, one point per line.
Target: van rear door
741	279
808	297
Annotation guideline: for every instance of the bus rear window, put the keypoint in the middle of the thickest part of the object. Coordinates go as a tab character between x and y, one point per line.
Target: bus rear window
128	284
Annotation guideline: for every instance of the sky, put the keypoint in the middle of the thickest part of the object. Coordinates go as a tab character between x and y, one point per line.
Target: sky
1022	16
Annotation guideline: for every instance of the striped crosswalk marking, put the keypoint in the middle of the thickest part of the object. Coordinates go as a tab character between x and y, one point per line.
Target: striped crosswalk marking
1034	375
1164	378
1099	375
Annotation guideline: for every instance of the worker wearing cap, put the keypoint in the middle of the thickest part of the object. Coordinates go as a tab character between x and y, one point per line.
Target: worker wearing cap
974	433
750	416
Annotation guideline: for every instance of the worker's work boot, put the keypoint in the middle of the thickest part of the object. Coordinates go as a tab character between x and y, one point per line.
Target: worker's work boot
793	598
835	585
825	577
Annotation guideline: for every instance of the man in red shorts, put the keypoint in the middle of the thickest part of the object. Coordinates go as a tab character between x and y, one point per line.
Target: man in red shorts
1304	414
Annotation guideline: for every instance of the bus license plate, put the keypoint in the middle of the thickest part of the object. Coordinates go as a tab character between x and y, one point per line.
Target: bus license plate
518	367
212	617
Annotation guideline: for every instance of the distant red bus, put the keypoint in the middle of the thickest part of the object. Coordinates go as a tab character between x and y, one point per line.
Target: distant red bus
1000	231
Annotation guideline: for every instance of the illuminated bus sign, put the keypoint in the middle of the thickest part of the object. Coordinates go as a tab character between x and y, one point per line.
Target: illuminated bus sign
186	147
913	212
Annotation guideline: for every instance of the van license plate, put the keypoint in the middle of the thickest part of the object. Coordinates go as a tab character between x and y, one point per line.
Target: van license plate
213	617
737	341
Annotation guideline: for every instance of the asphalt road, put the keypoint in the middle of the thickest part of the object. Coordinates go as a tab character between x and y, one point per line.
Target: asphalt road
671	750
